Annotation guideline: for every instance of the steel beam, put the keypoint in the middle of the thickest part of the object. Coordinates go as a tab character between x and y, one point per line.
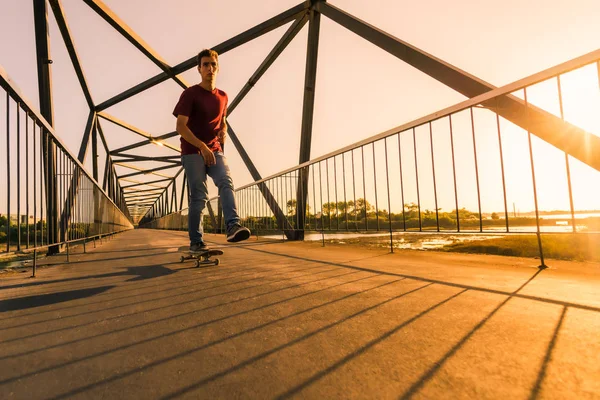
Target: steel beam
89	127
310	81
40	18
135	130
66	35
42	41
282	221
150	183
238	40
113	20
95	154
146	171
131	158
144	142
289	35
548	127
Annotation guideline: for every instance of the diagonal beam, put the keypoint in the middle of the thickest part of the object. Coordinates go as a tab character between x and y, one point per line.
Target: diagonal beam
102	137
135	192
289	35
137	131
548	127
143	197
61	20
271	201
132	158
144	142
113	20
238	40
89	128
449	75
150	183
142	171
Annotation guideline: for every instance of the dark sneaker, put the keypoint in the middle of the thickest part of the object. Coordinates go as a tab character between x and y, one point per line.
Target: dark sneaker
198	247
237	233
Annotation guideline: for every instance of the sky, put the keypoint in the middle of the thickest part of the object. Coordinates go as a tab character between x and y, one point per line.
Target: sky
361	90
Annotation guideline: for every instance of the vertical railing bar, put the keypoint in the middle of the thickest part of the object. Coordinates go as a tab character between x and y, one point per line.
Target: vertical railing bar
454	174
75	198
270	222
74	228
314	196
62	197
375	187
437	216
387	178
562	117
34	186
328	198
417	180
344	182
401	182
354	191
7	172
305	200
476	171
321	200
502	168
337	213
362	151
537	213
27	174
307	215
18	176
44	180
298	189
289	195
282	201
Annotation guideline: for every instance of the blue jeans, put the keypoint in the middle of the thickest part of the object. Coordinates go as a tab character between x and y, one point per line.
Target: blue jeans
196	171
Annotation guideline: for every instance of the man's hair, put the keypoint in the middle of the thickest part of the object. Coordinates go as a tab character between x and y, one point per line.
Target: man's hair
207	53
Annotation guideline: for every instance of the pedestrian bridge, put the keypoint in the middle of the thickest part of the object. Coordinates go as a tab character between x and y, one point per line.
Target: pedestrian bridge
279	319
112	313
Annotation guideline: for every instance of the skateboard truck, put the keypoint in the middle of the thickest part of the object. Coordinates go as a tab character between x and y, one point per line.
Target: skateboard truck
203	257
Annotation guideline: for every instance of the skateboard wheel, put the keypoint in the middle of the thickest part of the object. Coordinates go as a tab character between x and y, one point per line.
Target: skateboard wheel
181	259
197	263
216	261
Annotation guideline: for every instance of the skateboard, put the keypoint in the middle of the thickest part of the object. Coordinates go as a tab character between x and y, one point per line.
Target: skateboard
202	258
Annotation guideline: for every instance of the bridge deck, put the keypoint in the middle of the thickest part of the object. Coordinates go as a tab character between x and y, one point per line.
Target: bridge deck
127	320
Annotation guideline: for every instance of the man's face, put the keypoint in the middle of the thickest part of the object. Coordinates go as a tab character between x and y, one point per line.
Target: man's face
208	68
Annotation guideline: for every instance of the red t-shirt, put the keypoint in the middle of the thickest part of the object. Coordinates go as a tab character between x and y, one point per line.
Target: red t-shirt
206	110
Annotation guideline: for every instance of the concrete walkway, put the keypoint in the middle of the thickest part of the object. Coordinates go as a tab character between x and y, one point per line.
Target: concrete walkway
282	320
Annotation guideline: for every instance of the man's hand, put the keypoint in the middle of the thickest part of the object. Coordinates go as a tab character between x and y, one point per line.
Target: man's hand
209	157
222	135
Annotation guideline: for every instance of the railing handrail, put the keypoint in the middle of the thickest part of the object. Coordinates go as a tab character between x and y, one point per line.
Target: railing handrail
11	87
509	88
548	73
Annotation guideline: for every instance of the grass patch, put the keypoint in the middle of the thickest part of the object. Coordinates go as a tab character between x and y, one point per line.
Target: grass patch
577	247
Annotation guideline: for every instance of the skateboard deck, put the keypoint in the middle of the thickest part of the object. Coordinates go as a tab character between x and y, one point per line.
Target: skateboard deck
202	257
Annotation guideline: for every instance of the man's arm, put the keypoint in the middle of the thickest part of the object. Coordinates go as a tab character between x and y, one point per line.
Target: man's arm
184	131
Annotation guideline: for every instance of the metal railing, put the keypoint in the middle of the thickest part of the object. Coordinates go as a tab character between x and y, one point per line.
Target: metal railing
47	198
476	167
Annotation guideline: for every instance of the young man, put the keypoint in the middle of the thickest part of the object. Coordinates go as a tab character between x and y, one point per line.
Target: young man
201	123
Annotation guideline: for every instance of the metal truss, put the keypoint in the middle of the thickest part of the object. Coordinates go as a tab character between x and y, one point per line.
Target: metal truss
160	200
